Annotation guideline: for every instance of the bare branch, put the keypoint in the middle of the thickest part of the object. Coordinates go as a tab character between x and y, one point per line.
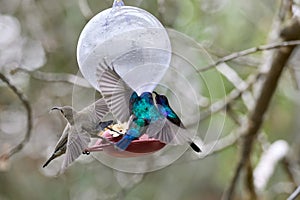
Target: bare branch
238	83
236	119
256	117
223	143
250	51
27	106
249	180
295	194
233	95
55	77
249	61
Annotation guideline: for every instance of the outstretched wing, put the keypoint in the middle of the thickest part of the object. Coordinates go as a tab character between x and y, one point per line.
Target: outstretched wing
99	108
77	142
62	142
115	91
167	132
61	145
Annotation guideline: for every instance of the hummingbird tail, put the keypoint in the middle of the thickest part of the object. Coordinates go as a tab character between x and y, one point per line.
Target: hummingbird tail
49	160
124	142
195	147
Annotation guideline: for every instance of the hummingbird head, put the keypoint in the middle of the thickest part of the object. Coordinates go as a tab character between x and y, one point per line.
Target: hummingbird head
161	99
147	96
68	112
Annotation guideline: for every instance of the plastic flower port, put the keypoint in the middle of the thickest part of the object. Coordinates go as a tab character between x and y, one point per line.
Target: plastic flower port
139	147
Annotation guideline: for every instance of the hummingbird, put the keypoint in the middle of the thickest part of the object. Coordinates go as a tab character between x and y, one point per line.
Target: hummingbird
80	127
166	110
61	145
156	119
125	104
143	113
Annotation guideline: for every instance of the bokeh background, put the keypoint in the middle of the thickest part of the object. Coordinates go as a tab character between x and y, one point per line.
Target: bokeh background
38	42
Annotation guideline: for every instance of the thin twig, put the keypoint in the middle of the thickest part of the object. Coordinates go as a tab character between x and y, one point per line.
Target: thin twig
55	77
249	61
233	77
235	118
213	147
250	51
295	194
232	96
27	106
223	143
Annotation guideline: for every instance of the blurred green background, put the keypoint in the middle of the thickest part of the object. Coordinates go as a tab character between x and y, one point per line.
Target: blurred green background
42	35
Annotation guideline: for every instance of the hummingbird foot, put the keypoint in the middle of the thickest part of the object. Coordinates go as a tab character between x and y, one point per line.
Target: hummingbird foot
96	148
86	152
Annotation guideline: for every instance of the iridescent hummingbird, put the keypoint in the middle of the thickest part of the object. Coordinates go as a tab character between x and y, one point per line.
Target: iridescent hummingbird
143	113
165	109
126	105
144	116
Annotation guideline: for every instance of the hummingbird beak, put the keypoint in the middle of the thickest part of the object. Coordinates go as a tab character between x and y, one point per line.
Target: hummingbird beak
56	108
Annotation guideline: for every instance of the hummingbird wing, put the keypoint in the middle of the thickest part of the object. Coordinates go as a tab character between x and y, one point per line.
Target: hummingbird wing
62	142
115	92
77	142
99	107
167	132
61	145
170	129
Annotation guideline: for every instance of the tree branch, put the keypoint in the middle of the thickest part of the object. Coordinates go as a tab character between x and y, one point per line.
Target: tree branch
249	61
27	106
233	95
55	77
250	51
256	117
224	143
295	194
249	180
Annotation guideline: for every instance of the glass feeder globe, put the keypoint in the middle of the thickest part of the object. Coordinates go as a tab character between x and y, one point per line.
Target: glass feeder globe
129	38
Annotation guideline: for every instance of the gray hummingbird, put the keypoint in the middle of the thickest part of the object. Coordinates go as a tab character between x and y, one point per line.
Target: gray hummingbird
82	125
173	124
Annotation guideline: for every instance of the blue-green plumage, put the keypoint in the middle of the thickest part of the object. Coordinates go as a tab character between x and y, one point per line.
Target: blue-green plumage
167	111
144	116
143	112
